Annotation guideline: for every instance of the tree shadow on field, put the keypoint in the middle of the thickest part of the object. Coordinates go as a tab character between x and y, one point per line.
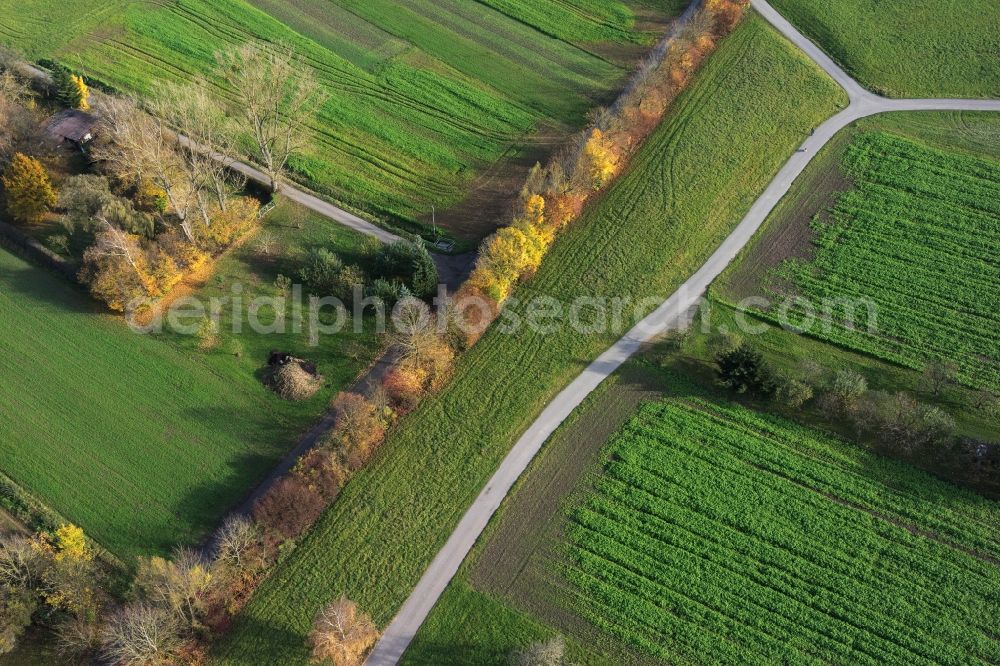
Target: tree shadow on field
207	502
31	283
446	654
262	642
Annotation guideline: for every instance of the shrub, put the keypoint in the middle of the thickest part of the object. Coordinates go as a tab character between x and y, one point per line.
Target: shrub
324	274
320	270
551	652
408	263
794	393
388	292
288	507
744	370
208	334
151	197
405	386
28	190
359	428
16	609
847	387
283	283
228	225
323	470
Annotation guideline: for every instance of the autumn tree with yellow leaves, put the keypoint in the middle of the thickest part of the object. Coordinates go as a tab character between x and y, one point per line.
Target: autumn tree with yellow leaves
70	89
602	159
54	571
28	192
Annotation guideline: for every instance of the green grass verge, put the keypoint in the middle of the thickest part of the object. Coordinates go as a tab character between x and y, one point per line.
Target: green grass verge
920	48
477	628
143	440
684	192
422	96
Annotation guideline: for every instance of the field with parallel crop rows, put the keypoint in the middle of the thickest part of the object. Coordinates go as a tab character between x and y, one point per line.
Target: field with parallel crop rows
423	94
919	237
720	535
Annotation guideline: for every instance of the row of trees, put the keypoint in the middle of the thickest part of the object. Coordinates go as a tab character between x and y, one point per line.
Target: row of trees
424	346
555	195
54	580
894	421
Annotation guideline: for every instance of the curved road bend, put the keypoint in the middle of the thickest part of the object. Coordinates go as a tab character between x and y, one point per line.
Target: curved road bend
670	314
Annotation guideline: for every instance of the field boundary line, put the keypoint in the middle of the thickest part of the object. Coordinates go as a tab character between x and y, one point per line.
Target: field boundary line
672	313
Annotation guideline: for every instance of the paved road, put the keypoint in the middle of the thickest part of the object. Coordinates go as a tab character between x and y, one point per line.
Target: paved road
310	201
671	314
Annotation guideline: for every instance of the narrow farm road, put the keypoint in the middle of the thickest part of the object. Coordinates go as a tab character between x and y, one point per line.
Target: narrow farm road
297	195
670	314
302	197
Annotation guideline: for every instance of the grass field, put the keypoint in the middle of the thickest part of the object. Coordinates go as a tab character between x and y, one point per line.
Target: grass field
423	94
920	48
888	214
144	441
844	557
247	273
638	559
686	189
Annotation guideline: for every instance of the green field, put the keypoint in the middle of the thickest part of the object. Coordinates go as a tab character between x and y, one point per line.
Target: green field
686	189
719	535
143	441
423	94
919	48
648	552
295	231
901	224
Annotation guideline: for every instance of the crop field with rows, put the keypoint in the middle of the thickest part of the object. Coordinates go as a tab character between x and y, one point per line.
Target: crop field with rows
716	534
919	237
423	94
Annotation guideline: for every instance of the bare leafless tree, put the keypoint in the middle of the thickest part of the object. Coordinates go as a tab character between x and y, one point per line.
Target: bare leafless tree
342	634
113	242
137	145
78	639
239	545
179	584
17	123
141	634
21	564
206	142
276	92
